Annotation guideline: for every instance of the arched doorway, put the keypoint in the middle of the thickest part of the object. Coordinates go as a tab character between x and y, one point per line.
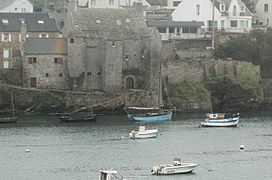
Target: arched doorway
129	83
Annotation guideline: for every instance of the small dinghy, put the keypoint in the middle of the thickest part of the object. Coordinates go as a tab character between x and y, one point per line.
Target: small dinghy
143	133
110	175
176	168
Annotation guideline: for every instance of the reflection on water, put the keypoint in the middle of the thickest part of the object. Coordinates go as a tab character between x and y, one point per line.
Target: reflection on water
78	150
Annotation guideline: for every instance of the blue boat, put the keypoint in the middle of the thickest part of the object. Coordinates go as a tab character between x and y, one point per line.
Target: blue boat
149	116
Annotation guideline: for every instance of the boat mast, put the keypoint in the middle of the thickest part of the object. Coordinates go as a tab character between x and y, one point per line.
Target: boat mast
159	93
12	105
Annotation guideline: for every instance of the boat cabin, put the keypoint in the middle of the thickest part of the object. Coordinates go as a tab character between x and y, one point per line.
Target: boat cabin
110	175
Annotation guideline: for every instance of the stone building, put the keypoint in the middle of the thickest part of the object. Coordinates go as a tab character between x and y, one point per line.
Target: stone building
111	50
45	63
17	26
264	12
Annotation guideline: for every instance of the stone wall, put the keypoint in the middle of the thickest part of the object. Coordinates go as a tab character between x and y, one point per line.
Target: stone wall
11	76
48	74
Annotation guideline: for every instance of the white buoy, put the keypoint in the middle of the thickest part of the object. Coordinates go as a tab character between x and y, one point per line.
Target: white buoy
27	151
122	137
242	147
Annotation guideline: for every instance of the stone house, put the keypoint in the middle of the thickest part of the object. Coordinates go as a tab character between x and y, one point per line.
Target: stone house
111	50
36	25
45	63
16	6
264	12
229	15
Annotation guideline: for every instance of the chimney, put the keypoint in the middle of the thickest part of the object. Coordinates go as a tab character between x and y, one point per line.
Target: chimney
23	35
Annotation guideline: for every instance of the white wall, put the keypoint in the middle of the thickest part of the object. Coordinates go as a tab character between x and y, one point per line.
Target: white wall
187	11
19	6
264	16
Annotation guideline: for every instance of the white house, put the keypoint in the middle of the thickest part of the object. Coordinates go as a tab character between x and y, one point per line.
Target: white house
229	15
16	6
264	12
110	3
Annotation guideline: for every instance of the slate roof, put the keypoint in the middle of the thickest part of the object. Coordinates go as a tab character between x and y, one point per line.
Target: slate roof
108	23
31	19
5	3
43	46
168	23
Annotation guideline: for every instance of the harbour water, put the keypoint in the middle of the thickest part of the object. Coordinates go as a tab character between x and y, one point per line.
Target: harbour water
76	151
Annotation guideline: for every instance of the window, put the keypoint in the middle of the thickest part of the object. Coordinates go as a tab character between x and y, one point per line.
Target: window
162	29
242	23
113	44
118	22
242	8
89	73
6	53
266	8
246	23
178	31
6	64
126	57
46	74
58	60
210	25
23	10
97	21
5	21
171	29
40	22
234	12
72	40
111	2
185	30
32	60
197	9
6	37
43	35
233	23
93	2
60	75
222	7
99	73
222	24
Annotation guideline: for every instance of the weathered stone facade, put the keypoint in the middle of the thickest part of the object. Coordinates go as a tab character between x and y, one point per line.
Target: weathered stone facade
111	50
45	64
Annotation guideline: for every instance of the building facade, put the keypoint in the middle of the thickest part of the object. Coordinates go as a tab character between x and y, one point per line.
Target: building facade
264	12
45	63
229	15
110	3
16	26
16	6
111	50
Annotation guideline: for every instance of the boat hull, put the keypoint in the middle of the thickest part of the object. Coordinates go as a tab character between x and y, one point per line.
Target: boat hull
171	169
152	133
91	118
230	122
8	120
151	118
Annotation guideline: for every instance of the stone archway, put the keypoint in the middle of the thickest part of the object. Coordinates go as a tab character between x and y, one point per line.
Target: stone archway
129	83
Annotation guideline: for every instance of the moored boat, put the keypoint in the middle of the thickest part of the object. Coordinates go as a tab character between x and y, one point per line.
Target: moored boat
143	133
110	175
77	117
177	167
221	120
150	116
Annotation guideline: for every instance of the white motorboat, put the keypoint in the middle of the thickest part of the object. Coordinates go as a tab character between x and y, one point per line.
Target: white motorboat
143	133
176	168
221	120
110	175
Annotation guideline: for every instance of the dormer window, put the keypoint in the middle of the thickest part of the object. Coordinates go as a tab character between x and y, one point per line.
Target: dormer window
242	8
5	21
40	22
97	21
222	7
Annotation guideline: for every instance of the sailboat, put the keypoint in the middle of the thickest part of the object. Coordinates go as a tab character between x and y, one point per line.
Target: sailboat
12	119
150	114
